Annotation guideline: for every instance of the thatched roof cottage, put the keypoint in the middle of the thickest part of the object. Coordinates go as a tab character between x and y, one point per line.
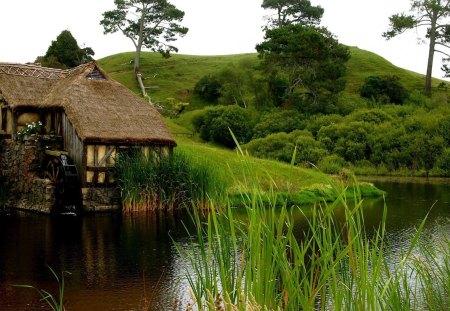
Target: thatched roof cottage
95	115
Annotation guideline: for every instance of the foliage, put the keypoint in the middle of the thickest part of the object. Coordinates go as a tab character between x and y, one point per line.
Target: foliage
30	129
432	14
167	183
293	12
283	147
152	24
64	52
277	121
443	162
215	125
312	60
332	164
381	88
209	87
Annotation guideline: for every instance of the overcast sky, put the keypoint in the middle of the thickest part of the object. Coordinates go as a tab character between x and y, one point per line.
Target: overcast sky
216	27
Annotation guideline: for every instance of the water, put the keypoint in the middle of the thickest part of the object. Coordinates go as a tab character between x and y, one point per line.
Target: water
124	263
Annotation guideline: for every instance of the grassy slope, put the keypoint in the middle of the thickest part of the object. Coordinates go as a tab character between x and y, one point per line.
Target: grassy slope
175	78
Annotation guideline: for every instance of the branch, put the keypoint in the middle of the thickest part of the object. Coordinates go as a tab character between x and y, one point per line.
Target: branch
443	53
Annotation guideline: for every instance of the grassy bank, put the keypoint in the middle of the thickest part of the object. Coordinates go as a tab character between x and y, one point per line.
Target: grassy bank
297	185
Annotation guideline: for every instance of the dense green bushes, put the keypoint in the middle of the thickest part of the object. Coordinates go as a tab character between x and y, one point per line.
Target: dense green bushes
381	140
385	89
214	124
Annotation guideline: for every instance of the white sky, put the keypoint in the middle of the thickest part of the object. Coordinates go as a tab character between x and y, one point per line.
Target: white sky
216	27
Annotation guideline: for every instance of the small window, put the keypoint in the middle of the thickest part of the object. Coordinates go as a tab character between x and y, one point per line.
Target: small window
95	75
4	117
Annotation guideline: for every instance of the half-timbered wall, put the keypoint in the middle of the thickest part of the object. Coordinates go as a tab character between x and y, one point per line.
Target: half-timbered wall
100	160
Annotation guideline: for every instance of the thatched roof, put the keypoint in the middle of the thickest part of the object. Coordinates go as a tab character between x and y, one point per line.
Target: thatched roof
100	110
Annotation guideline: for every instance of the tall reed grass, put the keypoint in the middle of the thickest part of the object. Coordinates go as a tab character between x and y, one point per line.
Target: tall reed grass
150	183
262	263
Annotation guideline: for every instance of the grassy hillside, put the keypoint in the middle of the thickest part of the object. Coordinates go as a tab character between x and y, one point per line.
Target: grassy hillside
176	76
174	79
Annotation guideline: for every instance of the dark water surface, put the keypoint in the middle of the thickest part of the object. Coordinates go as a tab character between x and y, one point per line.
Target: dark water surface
124	263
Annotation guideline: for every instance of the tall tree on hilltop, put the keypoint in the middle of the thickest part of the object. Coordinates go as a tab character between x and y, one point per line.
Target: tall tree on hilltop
152	24
311	59
432	14
64	52
307	57
293	12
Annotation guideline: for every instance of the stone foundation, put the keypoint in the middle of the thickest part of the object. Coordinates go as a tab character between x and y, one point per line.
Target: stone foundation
21	171
101	199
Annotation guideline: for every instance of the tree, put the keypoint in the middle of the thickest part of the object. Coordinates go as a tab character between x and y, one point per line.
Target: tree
152	24
293	12
64	52
313	61
384	87
432	14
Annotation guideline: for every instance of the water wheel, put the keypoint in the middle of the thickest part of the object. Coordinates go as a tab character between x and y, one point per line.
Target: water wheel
60	169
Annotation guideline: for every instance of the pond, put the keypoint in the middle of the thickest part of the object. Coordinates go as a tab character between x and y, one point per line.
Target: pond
126	263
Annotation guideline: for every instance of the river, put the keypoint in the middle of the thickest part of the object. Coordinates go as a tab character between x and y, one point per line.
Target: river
126	263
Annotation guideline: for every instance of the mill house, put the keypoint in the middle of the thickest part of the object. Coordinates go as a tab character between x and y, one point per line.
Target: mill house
83	121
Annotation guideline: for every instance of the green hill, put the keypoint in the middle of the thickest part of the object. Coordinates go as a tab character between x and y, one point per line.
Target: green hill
174	79
176	76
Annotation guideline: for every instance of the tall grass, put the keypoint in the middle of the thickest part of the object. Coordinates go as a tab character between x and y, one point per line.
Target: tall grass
262	263
149	183
55	303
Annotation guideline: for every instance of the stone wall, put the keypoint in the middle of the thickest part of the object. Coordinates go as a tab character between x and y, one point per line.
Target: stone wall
101	199
20	167
21	174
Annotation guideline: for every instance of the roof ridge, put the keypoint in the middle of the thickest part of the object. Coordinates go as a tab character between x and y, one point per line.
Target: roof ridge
36	71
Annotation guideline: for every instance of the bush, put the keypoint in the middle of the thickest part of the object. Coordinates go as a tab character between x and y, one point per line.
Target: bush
215	124
379	87
332	164
281	146
375	116
278	121
316	123
208	88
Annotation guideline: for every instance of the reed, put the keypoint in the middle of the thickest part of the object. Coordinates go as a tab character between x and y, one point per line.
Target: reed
261	263
55	303
150	183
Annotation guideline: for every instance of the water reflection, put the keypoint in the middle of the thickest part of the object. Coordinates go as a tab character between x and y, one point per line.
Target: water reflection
118	261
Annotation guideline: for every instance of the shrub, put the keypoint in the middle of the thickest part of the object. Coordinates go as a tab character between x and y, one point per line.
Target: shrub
278	121
280	146
209	88
316	123
332	164
443	162
214	125
375	116
377	87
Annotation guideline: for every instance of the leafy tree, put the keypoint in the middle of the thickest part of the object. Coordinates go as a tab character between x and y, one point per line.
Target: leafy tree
313	61
293	12
278	121
152	24
64	52
280	146
214	124
377	88
209	88
432	14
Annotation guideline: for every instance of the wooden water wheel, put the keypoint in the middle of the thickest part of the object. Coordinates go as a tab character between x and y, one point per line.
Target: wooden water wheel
60	169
